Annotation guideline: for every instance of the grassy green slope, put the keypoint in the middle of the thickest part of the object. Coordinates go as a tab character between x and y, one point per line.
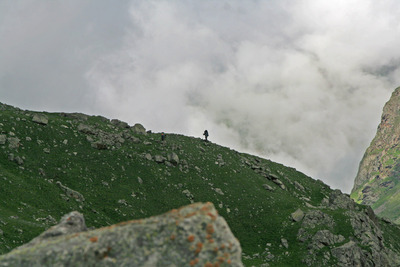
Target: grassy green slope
121	184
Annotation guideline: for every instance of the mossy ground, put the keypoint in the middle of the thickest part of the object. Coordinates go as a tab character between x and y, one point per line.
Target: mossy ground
120	184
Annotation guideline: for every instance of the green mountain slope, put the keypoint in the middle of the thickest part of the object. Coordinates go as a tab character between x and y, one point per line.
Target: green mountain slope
377	182
54	163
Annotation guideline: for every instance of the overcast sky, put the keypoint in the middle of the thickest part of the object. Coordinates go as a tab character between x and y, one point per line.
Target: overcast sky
300	82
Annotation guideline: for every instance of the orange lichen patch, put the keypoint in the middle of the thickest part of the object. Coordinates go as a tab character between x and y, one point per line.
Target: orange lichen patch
229	261
211	240
140	221
216	249
199	247
221	259
226	255
208	236
216	264
194	262
223	246
190	238
172	237
190	214
213	217
127	222
205	208
210	229
208	264
94	239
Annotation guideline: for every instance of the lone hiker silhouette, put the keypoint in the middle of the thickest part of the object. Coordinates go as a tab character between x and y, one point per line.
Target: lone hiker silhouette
205	134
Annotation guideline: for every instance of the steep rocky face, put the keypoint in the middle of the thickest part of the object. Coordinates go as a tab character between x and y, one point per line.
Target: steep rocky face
377	181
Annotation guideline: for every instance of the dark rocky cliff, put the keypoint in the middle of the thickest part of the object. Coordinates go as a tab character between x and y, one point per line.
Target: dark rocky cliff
377	181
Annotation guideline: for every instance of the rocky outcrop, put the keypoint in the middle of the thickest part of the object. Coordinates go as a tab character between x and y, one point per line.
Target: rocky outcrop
364	247
101	139
379	170
194	235
138	129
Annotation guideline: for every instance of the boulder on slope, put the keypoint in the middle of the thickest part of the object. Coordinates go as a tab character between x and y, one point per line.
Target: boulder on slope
193	235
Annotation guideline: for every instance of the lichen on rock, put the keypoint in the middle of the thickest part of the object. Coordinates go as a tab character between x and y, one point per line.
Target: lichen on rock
193	235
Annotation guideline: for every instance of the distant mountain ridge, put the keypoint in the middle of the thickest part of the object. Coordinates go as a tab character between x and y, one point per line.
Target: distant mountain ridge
377	181
55	163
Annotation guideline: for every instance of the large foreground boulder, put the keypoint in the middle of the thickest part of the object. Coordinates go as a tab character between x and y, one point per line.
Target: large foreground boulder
194	235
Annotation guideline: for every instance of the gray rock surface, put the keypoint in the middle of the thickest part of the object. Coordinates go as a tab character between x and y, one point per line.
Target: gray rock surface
173	158
71	193
40	118
324	238
3	139
71	223
120	124
159	159
138	129
13	142
350	254
298	215
194	235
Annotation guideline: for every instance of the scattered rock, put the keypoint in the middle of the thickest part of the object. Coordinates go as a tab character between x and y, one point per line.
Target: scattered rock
86	129
285	243
13	142
188	194
3	139
19	160
148	156
40	118
219	191
135	140
173	158
122	202
159	158
267	187
140	181
71	193
298	215
46	150
279	182
299	186
41	172
99	145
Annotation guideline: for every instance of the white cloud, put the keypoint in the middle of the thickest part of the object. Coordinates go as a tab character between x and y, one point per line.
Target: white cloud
302	83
